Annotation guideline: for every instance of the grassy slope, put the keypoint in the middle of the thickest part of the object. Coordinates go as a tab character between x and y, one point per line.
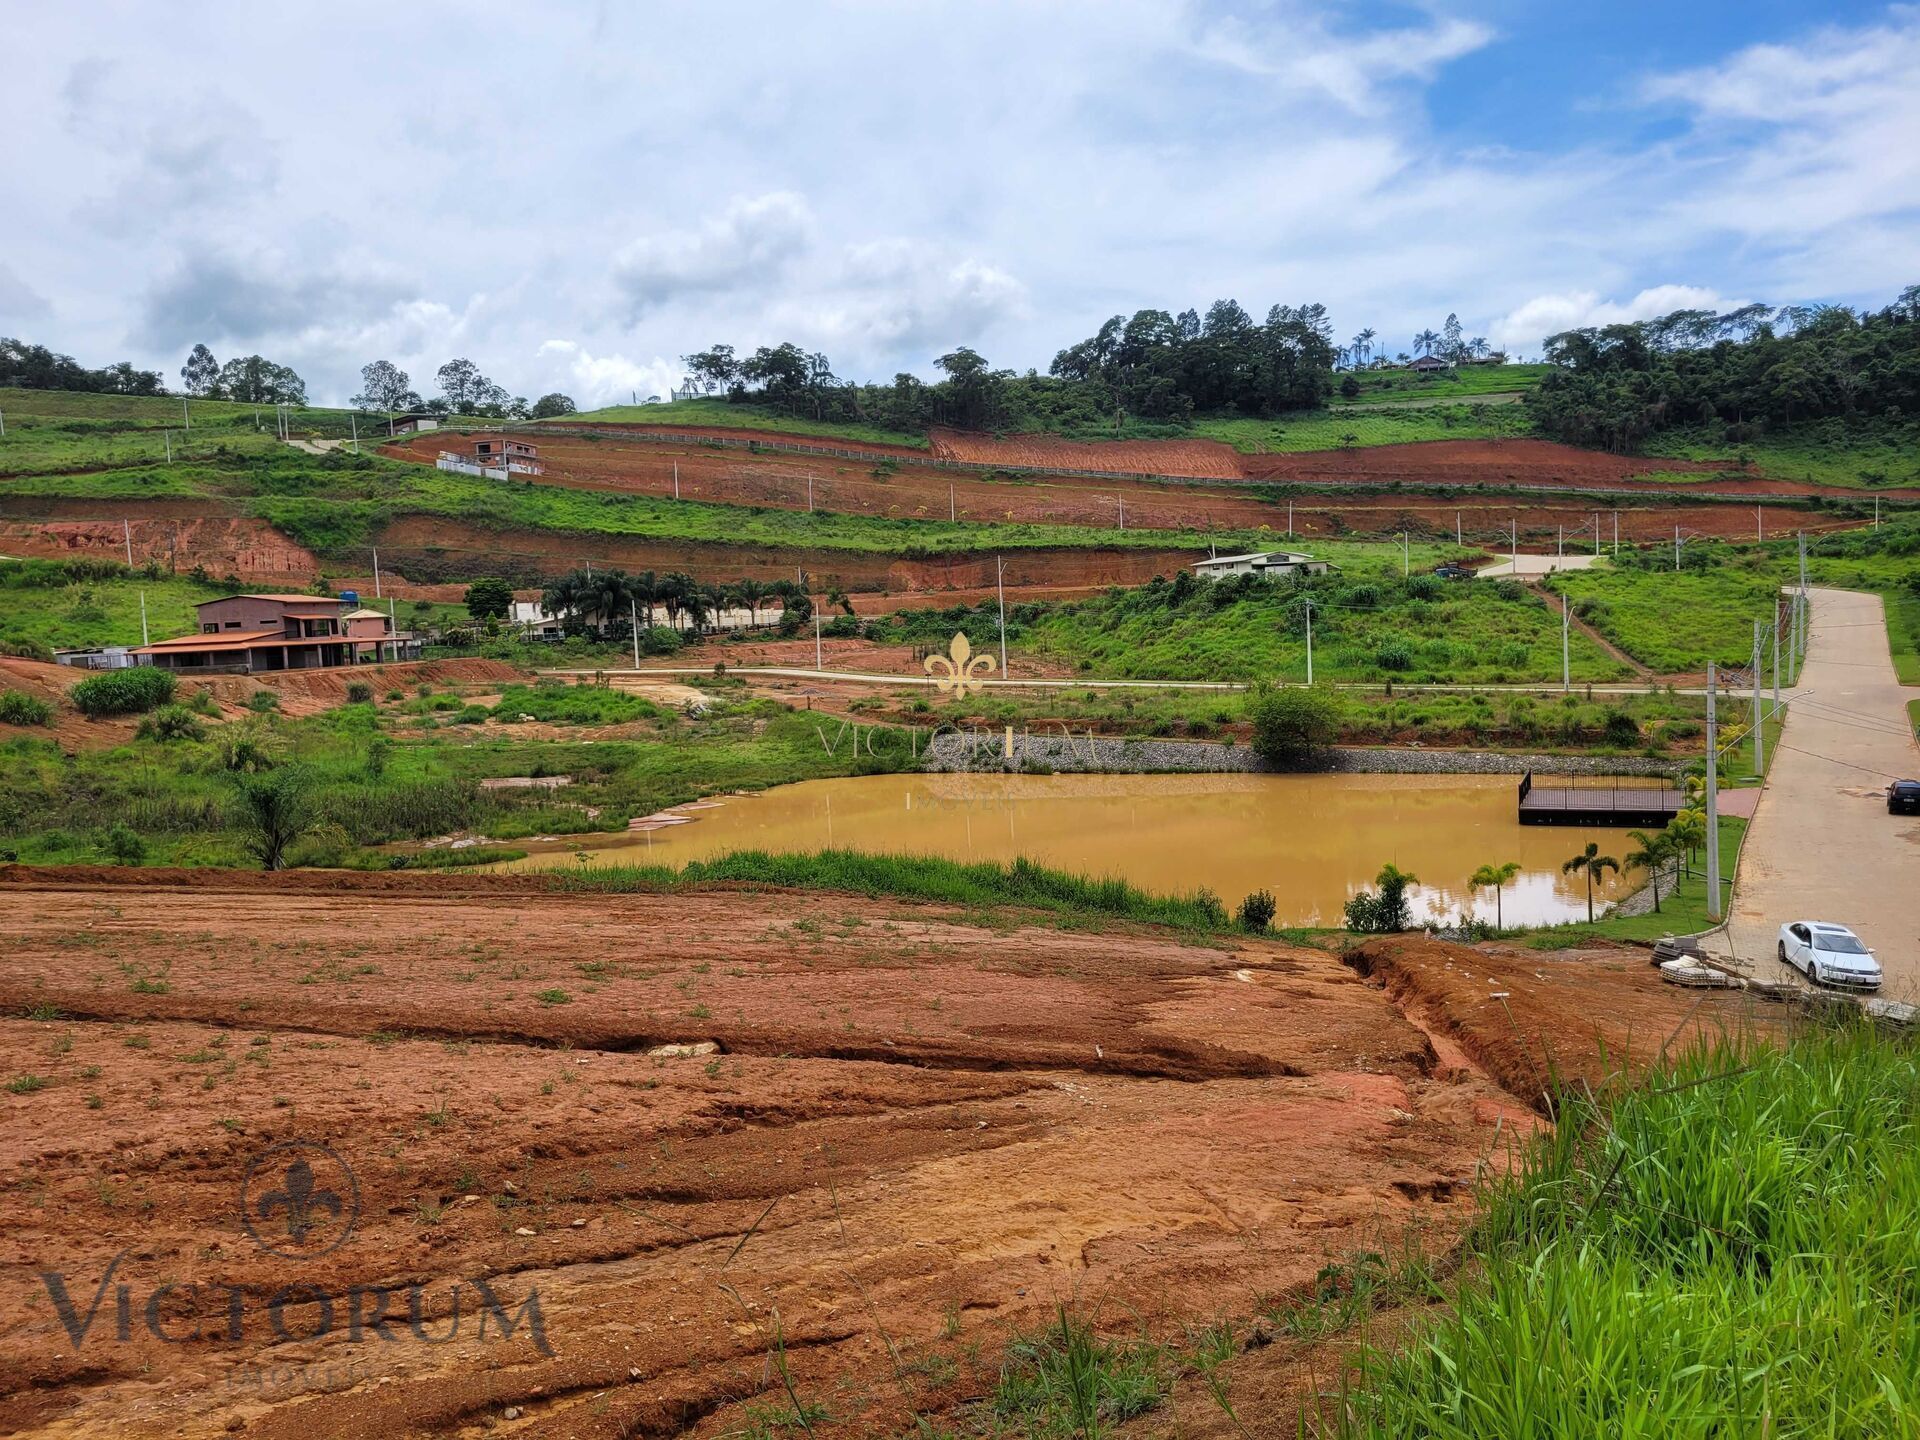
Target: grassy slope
1725	1249
1382	386
1330	430
1862	454
97	612
1466	633
79	412
722	414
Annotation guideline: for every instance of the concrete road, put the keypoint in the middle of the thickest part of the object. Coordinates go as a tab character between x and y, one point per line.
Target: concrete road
1822	846
1533	567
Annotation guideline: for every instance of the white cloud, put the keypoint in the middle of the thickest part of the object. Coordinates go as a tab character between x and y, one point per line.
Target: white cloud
1522	329
747	245
593	380
887	181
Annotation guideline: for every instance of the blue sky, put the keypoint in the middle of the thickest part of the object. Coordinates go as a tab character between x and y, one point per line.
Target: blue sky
574	196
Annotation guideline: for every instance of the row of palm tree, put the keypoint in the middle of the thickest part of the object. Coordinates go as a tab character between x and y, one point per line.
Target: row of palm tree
1658	852
606	597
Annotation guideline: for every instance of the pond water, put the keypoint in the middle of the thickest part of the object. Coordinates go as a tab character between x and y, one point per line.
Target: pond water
1313	840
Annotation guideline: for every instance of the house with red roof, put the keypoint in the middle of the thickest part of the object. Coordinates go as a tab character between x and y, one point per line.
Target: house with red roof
244	633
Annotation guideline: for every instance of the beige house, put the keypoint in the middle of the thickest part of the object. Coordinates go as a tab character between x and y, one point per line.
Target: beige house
1260	562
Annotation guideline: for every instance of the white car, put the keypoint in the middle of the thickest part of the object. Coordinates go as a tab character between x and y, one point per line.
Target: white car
1829	954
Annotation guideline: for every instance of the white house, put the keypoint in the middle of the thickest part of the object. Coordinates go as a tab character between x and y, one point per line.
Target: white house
1262	562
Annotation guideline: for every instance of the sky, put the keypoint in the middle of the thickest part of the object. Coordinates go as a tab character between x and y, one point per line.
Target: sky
574	196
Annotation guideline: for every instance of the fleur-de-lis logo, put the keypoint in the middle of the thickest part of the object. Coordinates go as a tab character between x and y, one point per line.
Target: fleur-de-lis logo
302	1212
301	1202
958	672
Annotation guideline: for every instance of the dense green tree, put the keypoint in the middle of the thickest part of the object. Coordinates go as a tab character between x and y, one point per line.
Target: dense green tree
201	372
551	404
259	381
385	386
489	598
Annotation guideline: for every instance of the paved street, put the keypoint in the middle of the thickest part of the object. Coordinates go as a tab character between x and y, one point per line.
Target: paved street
1822	846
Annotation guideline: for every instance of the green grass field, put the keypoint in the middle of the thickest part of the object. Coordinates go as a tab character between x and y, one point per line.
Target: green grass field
1726	1248
1861	454
38	603
724	414
1386	386
1368	625
1333	430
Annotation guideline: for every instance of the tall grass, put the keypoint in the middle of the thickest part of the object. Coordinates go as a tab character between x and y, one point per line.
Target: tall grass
917	877
1731	1249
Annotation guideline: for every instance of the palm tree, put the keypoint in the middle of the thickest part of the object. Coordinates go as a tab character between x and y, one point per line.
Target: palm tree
1590	862
1364	340
1689	832
1424	342
1654	852
1497	878
1478	347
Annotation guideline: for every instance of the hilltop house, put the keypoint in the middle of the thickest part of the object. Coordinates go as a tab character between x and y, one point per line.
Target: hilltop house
245	633
1264	562
1427	364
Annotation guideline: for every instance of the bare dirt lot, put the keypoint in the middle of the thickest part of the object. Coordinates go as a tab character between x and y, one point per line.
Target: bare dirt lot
891	1135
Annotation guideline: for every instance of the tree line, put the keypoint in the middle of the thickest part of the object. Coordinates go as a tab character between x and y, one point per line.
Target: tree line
464	390
609	599
25	366
1155	367
1741	372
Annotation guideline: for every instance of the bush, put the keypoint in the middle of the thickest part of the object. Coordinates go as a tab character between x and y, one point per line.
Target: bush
359	692
1291	722
132	691
1394	655
1622	728
660	640
262	702
27	649
19	708
124	846
1385	911
1256	911
171	722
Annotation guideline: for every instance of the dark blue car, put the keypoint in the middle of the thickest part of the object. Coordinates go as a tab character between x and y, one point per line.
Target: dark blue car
1903	797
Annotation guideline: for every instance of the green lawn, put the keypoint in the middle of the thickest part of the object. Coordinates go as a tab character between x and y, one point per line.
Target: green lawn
1333	430
1368	625
1860	453
1675	622
724	414
1384	386
87	416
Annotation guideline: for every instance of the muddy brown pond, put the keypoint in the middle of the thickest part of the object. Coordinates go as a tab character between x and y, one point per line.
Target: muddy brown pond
1313	840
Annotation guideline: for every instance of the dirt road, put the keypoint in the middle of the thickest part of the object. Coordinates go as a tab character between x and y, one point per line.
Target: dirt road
890	1135
1822	846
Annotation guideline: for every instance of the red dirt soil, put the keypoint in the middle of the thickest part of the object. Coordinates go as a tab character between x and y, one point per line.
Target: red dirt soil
222	544
918	1133
1199	458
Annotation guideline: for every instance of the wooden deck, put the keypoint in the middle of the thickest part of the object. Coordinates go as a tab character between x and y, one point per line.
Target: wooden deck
1626	805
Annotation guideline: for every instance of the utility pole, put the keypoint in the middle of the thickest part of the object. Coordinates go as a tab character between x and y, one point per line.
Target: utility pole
1676	548
1806	601
1560	545
1759	529
1759	684
676	479
3	423
1776	655
1309	640
143	619
1616	534
1121	500
1456	529
1513	563
809	494
354	421
1876	512
1000	584
1406	557
1715	909
1596	535
376	572
817	663
168	435
1566	641
126	531
186	420
633	609
953	506
1289	519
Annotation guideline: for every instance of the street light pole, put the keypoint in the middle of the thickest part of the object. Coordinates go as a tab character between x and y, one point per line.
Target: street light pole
1759	685
1713	796
1309	641
1000	584
1566	637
